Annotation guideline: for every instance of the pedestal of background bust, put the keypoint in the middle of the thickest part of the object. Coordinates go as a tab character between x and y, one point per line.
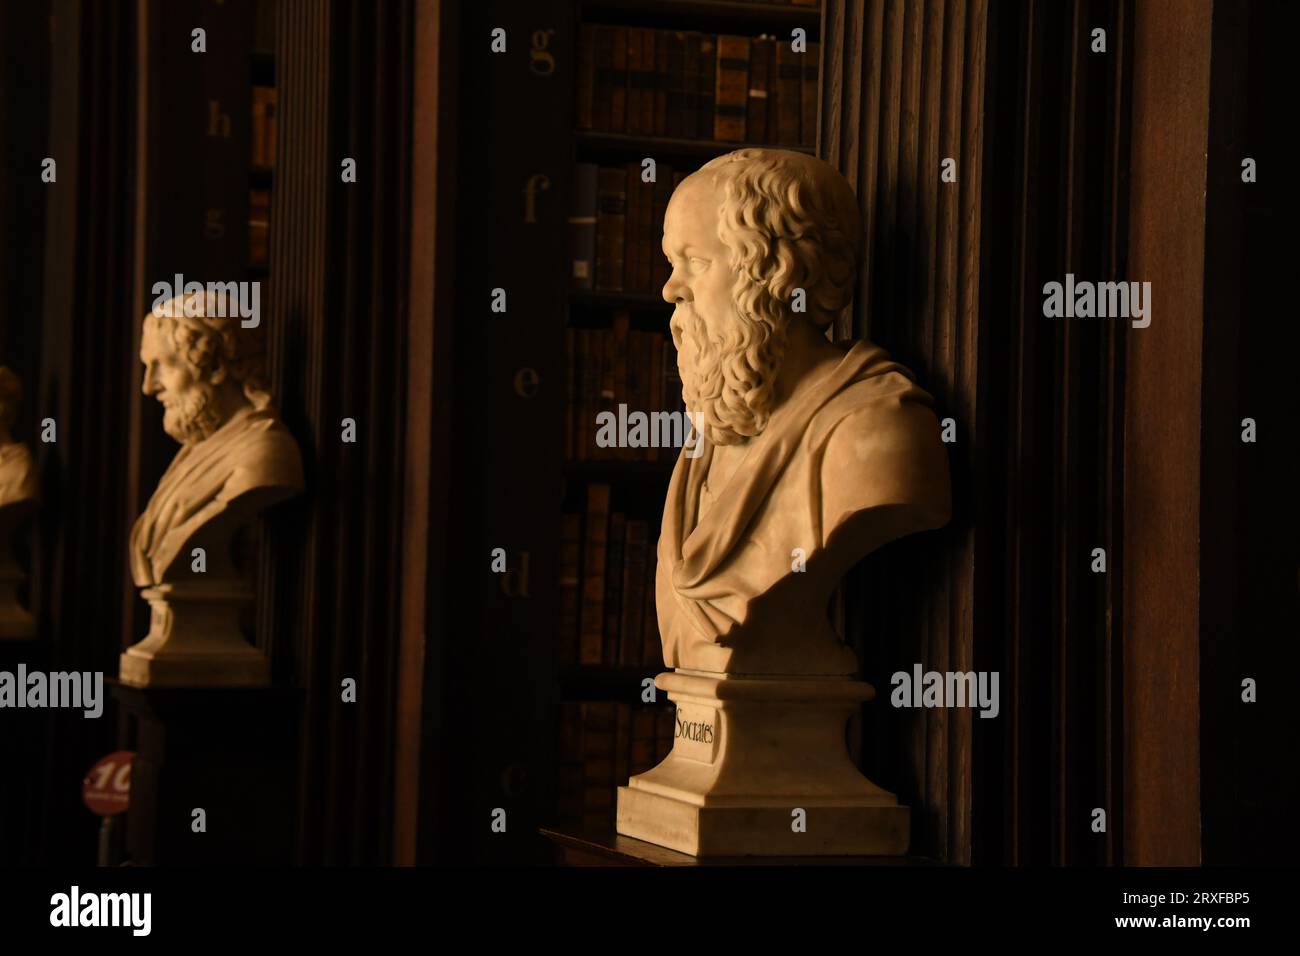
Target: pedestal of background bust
195	640
747	753
231	752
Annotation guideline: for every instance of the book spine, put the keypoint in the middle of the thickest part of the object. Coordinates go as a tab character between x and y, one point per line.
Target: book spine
789	78
570	582
588	387
611	222
635	81
652	652
760	70
602	95
632	229
732	89
632	633
600	727
586	78
618	81
808	105
583	225
570	391
674	81
270	109
620	335
658	40
613	587
706	86
593	574
643	740
660	270
690	85
622	745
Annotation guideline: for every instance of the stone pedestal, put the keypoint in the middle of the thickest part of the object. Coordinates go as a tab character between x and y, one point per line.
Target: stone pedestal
194	639
231	752
748	753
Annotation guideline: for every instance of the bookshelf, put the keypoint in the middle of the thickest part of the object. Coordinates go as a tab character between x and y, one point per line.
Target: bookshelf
679	82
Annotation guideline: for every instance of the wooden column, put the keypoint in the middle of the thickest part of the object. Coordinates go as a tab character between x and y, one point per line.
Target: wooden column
1162	439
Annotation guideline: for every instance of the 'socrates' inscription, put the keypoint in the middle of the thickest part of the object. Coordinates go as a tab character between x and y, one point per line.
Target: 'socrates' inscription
696	732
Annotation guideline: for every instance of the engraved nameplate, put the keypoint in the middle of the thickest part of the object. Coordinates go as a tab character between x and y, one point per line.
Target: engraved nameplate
696	732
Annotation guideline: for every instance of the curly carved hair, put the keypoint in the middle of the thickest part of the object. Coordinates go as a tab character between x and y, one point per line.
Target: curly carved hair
208	335
791	221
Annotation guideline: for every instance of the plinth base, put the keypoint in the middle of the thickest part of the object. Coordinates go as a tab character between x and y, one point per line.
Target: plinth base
759	768
230	668
762	831
194	640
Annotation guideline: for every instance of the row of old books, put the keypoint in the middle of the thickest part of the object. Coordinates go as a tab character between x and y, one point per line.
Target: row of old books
607	587
602	744
263	130
684	84
621	382
616	230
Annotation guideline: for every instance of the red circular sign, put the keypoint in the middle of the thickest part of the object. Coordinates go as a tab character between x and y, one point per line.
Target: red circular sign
107	786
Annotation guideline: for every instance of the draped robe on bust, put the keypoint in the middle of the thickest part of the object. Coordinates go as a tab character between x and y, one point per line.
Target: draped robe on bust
720	553
252	450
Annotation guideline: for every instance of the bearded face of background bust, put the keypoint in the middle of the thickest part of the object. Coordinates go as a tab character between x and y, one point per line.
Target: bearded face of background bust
190	411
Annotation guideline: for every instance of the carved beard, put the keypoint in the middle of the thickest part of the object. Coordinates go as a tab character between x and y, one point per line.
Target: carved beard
727	384
193	418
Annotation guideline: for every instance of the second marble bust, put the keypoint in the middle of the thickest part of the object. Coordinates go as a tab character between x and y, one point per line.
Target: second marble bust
207	371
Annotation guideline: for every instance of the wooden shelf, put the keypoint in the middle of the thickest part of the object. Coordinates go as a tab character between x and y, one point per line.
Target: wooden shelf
260	177
578	846
593	146
724	16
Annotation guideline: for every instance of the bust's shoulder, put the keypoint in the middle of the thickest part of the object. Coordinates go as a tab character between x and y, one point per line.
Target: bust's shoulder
264	453
874	414
879	443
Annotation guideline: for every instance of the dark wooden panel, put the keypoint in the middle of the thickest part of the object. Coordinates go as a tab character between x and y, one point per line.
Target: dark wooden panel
337	325
952	286
904	89
1162	441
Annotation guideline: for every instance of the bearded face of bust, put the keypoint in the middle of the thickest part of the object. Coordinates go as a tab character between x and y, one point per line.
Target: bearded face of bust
727	357
745	235
201	369
188	400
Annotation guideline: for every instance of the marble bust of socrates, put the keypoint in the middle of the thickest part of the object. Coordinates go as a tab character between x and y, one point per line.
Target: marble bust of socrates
236	456
814	454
